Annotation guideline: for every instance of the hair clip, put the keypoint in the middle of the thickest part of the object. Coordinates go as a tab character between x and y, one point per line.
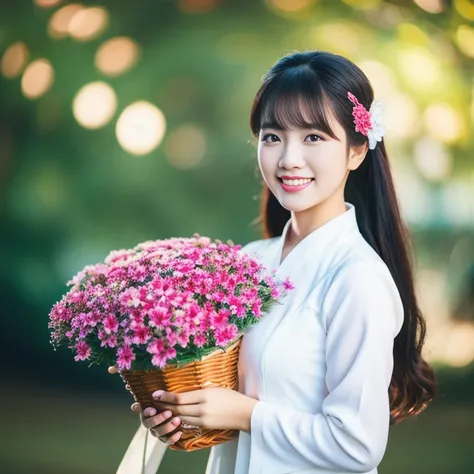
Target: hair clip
368	122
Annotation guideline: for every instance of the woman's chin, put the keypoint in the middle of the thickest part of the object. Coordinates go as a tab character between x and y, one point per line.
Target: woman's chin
295	207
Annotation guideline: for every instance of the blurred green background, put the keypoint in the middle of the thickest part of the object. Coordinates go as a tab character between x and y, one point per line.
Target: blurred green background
123	121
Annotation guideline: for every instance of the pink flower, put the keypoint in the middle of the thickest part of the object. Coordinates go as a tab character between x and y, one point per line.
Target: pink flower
110	324
287	284
156	346
200	339
83	351
257	308
361	116
106	340
171	353
159	360
167	296
171	336
141	335
220	319
160	318
226	334
125	357
183	338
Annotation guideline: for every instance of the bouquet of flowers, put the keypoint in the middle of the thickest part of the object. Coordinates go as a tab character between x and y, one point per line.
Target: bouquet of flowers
170	314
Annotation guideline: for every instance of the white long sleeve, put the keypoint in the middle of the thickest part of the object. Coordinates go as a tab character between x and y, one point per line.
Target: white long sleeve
362	313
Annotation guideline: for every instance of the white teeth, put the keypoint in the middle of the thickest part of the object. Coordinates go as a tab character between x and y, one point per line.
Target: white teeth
296	182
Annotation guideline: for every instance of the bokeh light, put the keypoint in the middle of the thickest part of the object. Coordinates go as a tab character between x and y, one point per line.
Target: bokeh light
339	37
465	40
37	79
88	23
412	191
290	5
458	202
116	56
94	105
465	8
472	104
432	159
14	59
412	34
186	146
402	116
444	123
363	4
140	128
47	3
431	6
432	288
386	16
197	6
420	69
459	348
380	76
58	26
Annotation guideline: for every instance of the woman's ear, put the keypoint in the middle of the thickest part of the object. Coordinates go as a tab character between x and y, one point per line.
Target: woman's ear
357	154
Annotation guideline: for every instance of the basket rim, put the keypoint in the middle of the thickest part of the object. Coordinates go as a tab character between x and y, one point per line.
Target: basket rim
219	350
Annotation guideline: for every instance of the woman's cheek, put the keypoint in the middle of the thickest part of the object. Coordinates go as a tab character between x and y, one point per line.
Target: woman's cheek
331	171
267	169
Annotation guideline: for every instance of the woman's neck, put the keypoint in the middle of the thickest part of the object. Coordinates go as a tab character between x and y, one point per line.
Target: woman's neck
305	222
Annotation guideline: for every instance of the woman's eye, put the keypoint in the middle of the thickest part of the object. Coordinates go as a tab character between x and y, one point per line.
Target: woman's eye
270	138
313	138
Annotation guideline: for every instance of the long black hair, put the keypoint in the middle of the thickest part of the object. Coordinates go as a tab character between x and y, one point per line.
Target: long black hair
316	82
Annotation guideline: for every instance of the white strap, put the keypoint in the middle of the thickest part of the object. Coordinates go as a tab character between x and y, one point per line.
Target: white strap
132	461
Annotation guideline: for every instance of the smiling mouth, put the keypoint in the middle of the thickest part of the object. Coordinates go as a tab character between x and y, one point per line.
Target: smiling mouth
295	181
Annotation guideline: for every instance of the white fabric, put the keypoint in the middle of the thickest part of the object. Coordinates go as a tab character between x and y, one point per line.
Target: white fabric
132	461
320	364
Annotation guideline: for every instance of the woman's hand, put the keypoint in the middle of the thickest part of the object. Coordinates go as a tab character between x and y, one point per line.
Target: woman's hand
213	408
162	425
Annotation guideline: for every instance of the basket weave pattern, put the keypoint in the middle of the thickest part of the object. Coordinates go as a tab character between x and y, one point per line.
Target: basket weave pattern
218	369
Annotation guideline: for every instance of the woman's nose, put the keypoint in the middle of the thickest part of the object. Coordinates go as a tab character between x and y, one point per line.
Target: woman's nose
292	157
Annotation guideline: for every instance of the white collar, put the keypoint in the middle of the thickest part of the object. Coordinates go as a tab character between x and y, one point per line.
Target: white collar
316	242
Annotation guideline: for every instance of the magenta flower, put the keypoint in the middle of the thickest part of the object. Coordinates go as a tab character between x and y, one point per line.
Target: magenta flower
287	285
83	351
125	357
361	116
161	301
141	335
110	324
226	334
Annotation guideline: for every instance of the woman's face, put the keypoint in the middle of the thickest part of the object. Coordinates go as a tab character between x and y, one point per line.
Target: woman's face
303	167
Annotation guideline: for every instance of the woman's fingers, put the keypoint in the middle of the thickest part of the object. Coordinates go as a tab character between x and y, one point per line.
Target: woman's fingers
185	410
192	420
165	429
113	369
160	418
160	424
174	438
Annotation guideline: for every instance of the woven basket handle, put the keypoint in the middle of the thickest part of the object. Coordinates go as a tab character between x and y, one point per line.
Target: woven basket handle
144	454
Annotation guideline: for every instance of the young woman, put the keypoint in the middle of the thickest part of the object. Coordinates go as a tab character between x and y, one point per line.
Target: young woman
322	376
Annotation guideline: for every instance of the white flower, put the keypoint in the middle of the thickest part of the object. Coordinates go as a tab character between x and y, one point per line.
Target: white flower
377	131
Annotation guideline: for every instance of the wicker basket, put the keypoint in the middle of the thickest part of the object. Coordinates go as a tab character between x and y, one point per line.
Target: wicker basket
218	369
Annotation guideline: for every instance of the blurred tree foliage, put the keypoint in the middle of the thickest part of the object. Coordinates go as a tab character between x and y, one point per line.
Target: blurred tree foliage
69	194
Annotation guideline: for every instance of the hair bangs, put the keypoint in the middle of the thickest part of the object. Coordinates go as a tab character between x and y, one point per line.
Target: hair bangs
293	100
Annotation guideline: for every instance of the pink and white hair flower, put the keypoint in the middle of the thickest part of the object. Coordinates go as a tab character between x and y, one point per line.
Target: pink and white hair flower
368	122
